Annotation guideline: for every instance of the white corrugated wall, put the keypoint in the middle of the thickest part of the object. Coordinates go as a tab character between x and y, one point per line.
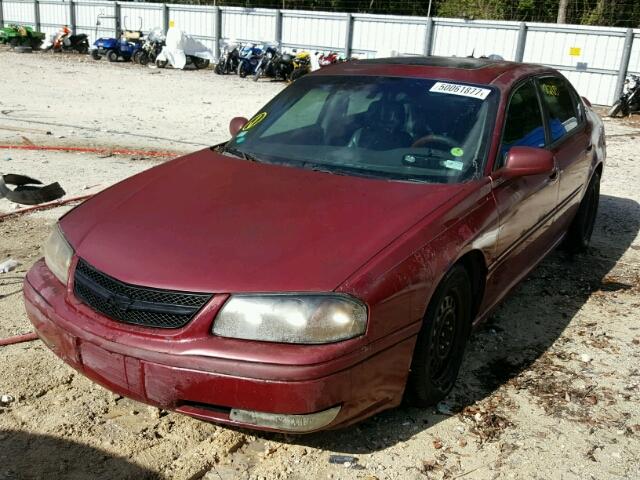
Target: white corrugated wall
251	24
319	31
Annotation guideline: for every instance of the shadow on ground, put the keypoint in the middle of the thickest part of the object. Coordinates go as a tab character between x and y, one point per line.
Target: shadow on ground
523	328
26	456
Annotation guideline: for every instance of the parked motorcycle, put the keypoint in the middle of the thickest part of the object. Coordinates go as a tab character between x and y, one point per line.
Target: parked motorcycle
330	58
250	57
64	41
183	50
229	58
629	101
274	64
301	65
150	49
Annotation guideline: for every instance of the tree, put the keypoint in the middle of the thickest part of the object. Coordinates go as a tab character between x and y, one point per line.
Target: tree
562	11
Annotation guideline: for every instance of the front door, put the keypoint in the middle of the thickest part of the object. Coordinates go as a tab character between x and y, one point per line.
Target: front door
526	205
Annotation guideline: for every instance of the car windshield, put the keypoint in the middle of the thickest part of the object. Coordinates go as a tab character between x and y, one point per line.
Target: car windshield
410	129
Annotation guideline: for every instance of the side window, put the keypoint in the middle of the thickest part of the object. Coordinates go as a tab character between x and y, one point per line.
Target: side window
523	122
562	107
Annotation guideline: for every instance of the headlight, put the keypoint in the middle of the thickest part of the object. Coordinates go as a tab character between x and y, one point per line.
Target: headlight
58	254
292	318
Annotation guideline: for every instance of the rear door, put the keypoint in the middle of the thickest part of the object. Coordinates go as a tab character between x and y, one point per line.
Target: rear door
570	137
526	205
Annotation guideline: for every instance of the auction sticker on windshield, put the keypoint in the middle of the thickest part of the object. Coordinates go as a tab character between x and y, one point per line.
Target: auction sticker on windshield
462	90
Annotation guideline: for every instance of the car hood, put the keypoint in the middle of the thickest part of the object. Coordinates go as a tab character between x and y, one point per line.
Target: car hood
210	223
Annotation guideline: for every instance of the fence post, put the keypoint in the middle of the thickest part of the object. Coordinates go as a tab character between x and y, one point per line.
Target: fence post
428	37
217	32
624	63
1	16
165	17
72	16
36	15
278	27
116	22
348	42
522	41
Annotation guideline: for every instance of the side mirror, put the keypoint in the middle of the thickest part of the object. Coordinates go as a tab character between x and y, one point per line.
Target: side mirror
236	124
525	161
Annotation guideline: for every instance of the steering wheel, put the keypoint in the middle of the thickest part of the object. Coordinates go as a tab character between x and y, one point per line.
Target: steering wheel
433	138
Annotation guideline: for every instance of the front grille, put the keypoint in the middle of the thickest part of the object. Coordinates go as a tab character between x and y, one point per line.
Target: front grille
149	307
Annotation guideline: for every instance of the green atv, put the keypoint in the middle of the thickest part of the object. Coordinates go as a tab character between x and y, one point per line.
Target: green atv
21	36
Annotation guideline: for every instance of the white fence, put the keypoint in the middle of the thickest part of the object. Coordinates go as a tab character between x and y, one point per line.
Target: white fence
595	59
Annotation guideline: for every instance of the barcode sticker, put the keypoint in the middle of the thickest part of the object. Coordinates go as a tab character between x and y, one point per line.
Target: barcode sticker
462	90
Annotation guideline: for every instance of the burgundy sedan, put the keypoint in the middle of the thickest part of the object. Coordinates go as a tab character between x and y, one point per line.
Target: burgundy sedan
332	258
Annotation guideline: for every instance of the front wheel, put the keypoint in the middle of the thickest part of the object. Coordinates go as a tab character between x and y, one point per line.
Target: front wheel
581	228
112	55
257	75
616	109
95	54
83	48
242	72
161	63
442	340
297	73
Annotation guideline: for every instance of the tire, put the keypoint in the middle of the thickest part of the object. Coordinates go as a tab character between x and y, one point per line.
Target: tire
83	48
95	54
581	228
297	73
615	110
136	56
200	63
257	75
218	69
161	63
23	49
442	340
112	55
242	73
143	59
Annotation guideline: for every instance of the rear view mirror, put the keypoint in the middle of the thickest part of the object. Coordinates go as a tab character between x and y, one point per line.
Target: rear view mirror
236	124
525	161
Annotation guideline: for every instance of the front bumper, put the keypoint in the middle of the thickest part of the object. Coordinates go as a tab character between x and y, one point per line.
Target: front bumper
206	377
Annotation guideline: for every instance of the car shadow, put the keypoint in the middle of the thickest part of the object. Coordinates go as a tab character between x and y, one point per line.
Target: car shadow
25	456
527	323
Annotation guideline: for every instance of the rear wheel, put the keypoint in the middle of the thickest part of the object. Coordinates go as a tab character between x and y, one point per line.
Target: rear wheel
112	56
95	54
442	340
136	56
161	63
581	228
297	73
83	48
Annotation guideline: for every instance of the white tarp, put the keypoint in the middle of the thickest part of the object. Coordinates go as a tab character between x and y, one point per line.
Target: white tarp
179	45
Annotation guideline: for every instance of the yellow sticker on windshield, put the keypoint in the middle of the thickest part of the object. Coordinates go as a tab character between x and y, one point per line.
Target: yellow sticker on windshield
255	121
457	152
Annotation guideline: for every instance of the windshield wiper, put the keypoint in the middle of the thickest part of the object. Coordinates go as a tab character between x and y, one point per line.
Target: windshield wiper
240	154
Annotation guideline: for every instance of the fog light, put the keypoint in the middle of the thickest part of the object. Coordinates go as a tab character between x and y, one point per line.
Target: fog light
290	423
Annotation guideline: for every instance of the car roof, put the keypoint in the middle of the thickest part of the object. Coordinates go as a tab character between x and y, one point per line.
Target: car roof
500	73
